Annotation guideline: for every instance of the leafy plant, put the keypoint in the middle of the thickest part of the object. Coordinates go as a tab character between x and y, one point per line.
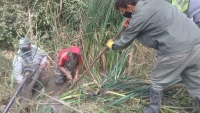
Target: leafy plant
181	4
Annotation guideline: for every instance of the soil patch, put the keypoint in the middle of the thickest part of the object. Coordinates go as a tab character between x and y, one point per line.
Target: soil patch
52	92
49	82
51	88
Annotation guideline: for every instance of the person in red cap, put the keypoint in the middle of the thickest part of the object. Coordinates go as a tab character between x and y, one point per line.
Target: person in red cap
67	64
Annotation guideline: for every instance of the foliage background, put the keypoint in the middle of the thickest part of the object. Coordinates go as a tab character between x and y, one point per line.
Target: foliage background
54	24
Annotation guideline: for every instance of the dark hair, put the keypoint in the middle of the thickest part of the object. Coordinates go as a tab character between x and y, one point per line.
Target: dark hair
74	55
124	3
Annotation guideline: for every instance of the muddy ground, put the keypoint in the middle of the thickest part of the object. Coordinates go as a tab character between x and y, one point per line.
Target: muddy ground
52	92
51	88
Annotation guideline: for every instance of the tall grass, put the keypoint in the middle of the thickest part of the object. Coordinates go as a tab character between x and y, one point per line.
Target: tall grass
54	24
100	23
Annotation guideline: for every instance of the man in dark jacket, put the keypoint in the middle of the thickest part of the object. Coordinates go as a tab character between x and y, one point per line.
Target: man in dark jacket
160	25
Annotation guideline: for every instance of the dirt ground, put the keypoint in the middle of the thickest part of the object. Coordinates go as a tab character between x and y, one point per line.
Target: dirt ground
55	91
51	91
48	77
49	82
51	88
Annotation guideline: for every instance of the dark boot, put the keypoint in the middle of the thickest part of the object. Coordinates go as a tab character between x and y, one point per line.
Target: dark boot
155	101
198	104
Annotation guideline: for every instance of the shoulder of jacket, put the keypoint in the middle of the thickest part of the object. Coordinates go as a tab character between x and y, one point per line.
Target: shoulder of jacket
35	47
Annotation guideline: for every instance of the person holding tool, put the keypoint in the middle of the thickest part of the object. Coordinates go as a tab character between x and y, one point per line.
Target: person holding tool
67	65
27	55
158	24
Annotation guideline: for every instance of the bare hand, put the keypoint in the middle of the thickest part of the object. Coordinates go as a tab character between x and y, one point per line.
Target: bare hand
126	22
69	76
75	78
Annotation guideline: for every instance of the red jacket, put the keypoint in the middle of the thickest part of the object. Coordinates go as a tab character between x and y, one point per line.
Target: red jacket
63	55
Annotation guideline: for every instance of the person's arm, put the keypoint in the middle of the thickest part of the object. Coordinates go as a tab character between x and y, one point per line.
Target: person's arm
43	61
136	25
40	57
69	76
61	60
77	68
126	22
76	72
18	69
42	54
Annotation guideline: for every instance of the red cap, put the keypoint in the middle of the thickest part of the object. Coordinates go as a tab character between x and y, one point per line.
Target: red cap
75	49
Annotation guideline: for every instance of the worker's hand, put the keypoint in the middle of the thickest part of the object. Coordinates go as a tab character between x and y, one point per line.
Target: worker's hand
69	77
126	22
110	43
75	78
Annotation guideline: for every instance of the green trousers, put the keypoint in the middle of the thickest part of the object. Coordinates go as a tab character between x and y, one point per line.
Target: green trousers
185	65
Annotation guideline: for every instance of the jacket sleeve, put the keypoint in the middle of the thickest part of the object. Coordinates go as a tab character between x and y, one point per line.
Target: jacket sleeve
40	57
62	58
136	25
43	56
18	68
44	60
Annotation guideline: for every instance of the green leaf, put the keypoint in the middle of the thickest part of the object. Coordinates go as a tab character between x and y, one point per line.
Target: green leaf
121	100
175	3
185	6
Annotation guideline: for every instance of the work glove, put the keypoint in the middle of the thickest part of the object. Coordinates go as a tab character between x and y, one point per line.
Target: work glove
110	43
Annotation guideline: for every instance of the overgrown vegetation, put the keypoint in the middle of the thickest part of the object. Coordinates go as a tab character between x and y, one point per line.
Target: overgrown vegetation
53	24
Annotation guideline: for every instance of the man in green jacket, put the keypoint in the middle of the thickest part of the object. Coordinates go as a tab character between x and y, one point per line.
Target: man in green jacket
160	25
